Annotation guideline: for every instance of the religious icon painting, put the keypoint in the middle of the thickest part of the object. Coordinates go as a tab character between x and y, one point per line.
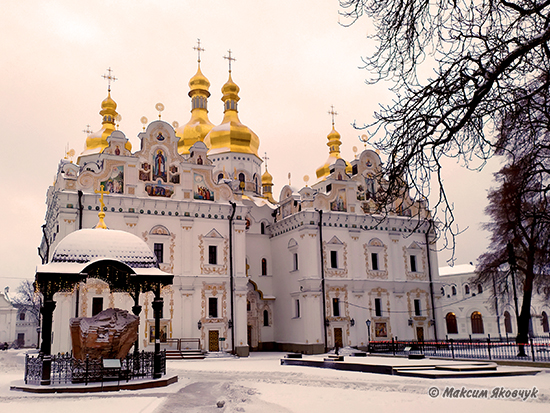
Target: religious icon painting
380	329
201	191
159	166
339	204
115	183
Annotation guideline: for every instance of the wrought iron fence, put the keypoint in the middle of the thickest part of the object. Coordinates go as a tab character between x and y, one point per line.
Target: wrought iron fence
486	350
67	369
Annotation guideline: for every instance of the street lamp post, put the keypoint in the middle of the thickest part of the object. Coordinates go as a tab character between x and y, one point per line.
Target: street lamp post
368	331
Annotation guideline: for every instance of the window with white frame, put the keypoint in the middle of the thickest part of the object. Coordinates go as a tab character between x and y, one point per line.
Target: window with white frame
297	308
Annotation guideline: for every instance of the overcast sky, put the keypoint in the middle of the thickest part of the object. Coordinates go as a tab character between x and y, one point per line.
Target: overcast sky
293	61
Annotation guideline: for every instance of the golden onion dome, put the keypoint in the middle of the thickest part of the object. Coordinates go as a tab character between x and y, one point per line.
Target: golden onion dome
231	135
199	125
333	143
267	179
97	142
199	82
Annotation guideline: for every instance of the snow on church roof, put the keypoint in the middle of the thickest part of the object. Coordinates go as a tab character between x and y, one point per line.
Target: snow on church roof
460	269
88	245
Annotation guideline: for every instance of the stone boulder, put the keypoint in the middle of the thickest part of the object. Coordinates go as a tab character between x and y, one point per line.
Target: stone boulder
109	334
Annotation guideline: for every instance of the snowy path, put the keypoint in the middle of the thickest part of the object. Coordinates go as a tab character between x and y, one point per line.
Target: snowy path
259	384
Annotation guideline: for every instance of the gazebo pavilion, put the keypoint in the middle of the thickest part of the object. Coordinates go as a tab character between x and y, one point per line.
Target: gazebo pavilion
120	259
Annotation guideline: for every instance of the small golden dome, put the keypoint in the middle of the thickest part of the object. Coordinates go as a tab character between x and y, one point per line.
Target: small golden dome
267	179
230	90
199	82
231	135
108	103
199	125
97	142
333	143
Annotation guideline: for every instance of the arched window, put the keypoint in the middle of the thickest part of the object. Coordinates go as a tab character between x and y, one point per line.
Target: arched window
220	177
241	177
466	289
477	323
452	327
266	318
479	288
544	322
22	317
507	322
453	290
442	291
264	266
262	228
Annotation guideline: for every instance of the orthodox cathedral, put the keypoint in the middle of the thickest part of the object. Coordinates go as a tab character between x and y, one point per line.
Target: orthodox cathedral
316	268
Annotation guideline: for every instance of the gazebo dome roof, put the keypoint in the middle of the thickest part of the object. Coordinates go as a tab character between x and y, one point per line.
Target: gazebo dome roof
87	245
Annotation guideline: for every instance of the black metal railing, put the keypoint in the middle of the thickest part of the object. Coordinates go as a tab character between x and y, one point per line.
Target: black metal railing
67	369
534	350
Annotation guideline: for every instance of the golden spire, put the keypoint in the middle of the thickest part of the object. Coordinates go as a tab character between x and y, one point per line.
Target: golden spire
199	125
231	135
333	143
267	182
101	214
96	142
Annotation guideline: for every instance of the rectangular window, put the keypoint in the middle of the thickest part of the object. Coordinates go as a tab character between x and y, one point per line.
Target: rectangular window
334	259
417	307
297	304
213	307
159	252
374	257
413	263
295	261
378	307
212	255
97	305
336	307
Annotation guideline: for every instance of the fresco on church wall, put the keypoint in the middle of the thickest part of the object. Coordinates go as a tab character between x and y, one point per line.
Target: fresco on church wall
115	183
159	189
380	330
159	166
339	204
200	190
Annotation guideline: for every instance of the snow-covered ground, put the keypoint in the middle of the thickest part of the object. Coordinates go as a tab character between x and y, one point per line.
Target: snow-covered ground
259	384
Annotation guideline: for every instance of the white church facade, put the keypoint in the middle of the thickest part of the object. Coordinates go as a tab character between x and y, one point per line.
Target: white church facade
303	273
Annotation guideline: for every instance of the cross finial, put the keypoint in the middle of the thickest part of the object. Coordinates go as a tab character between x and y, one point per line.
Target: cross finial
87	131
265	158
333	113
110	78
101	214
199	49
231	59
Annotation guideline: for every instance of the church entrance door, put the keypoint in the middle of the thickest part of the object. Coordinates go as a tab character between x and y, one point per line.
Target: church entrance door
420	333
213	340
338	342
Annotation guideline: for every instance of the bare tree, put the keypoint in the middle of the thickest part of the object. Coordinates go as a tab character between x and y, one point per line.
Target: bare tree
488	57
27	298
520	229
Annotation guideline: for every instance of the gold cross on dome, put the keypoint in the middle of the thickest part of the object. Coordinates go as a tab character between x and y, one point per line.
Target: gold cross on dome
102	192
265	158
231	59
87	131
110	78
199	49
333	113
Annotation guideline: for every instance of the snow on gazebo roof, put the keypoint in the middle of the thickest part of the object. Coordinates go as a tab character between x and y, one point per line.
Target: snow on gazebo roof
87	245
